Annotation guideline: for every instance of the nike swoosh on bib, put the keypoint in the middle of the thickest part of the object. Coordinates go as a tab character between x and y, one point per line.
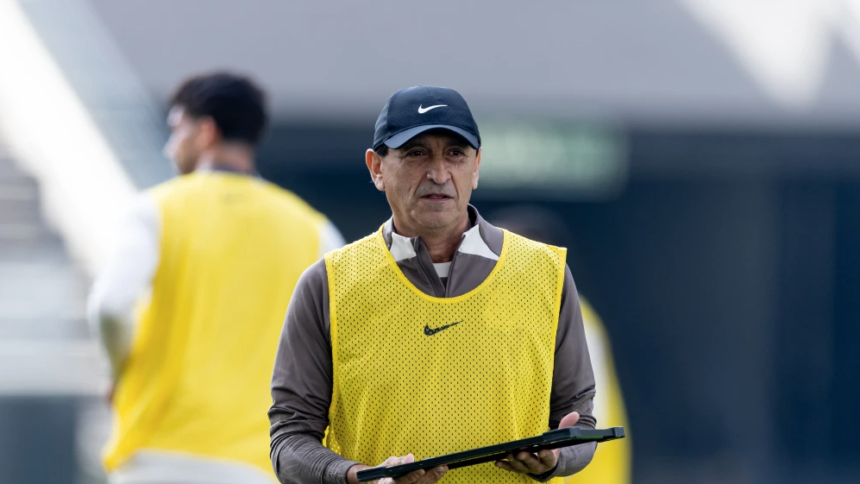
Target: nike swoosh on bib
422	110
431	331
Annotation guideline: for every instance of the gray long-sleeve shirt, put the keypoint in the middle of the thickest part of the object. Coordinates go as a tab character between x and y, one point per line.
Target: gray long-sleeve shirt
302	378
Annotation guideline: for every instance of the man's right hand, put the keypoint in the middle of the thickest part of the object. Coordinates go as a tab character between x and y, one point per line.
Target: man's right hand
416	477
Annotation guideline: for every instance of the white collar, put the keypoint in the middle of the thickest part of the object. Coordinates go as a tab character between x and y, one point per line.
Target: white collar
442	269
403	248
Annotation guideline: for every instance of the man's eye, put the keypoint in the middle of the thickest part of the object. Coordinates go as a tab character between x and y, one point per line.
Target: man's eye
457	153
415	153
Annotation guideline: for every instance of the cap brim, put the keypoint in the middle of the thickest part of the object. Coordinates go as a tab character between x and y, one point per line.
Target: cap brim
399	139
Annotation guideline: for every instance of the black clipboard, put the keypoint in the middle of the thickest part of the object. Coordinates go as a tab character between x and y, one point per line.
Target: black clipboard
552	439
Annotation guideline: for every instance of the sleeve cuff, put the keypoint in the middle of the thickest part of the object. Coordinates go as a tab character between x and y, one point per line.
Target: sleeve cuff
336	472
546	475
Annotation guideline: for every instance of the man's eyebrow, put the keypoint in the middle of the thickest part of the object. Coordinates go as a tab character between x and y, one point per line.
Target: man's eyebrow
412	144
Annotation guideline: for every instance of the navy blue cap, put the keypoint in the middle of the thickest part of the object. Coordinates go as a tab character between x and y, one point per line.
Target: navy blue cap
414	110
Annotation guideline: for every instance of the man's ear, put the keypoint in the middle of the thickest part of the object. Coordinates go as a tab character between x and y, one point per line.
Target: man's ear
208	133
476	173
374	166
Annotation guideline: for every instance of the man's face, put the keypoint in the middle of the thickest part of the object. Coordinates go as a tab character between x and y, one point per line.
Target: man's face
185	144
428	181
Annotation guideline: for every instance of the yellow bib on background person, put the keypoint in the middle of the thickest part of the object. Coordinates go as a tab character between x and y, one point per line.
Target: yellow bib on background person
611	463
430	376
197	378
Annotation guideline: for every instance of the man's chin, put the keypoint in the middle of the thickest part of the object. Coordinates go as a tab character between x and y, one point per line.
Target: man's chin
434	220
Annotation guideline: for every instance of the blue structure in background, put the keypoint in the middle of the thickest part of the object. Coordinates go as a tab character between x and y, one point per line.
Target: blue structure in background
37	440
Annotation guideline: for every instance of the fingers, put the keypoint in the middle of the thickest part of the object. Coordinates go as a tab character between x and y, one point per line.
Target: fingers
503	464
569	420
549	458
415	477
410	478
434	475
527	459
423	477
514	465
526	463
391	461
396	461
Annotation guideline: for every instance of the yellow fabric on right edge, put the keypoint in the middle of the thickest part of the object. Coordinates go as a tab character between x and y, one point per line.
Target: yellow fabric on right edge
431	376
612	461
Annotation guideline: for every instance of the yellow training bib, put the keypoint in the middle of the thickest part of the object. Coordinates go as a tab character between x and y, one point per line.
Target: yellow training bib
430	376
611	463
197	379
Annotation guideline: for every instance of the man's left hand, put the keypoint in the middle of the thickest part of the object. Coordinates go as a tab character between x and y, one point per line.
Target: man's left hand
540	463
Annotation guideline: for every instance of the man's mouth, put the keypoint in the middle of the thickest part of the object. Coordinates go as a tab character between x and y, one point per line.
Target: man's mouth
436	197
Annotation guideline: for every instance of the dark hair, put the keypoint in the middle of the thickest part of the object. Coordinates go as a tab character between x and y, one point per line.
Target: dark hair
383	148
235	103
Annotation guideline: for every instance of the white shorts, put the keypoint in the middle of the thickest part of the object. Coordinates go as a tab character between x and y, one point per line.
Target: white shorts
161	467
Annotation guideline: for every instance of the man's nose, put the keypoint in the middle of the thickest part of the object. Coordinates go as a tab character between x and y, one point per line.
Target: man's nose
437	171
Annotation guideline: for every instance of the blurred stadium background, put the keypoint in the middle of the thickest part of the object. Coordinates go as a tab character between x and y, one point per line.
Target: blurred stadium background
704	154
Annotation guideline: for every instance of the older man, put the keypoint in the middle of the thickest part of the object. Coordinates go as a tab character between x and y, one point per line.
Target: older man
438	333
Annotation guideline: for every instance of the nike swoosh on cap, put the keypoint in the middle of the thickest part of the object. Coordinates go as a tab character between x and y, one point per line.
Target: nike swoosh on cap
422	110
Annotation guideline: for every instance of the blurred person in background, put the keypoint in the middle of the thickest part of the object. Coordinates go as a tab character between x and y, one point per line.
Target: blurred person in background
190	304
438	333
611	463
